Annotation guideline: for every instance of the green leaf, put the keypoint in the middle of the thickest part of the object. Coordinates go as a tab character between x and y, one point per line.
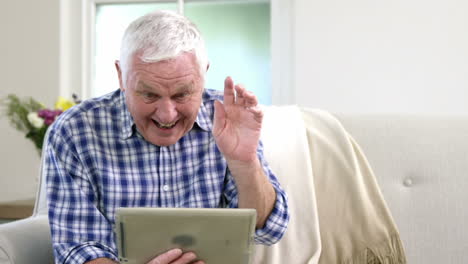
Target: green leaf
17	110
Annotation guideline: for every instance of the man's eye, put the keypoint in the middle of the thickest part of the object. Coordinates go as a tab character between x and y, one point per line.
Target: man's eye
149	95
182	95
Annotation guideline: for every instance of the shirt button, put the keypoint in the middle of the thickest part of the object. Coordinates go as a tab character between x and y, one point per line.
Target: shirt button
408	182
166	188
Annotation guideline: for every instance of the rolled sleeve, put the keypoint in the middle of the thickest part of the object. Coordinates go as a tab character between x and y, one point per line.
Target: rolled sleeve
277	223
84	253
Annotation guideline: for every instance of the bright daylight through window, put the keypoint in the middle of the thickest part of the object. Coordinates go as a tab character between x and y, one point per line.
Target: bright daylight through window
237	35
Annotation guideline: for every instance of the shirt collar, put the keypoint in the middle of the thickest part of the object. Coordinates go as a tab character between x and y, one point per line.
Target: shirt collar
204	120
127	119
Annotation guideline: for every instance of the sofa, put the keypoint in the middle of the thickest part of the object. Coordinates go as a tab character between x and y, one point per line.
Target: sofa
420	164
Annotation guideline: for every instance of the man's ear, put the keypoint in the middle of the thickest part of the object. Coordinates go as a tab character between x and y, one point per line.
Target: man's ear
119	73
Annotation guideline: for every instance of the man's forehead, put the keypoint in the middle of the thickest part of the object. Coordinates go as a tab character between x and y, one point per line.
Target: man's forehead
176	87
165	73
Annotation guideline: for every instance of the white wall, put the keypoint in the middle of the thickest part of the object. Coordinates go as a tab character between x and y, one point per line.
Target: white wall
347	56
404	56
29	54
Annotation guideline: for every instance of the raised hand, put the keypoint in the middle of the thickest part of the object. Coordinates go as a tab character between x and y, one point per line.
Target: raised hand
237	123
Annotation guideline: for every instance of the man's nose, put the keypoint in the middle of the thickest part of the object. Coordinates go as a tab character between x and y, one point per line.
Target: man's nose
166	111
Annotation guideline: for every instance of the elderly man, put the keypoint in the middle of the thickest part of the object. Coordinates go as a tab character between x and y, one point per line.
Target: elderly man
161	140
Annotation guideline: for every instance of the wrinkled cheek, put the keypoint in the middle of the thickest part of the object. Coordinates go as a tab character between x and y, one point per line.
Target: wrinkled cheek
146	111
143	117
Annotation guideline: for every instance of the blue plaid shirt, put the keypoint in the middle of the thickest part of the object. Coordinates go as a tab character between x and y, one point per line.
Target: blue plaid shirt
96	161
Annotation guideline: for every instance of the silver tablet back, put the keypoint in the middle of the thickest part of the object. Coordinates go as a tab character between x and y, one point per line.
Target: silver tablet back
216	235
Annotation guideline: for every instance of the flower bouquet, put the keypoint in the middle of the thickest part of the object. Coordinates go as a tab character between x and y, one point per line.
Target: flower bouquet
33	118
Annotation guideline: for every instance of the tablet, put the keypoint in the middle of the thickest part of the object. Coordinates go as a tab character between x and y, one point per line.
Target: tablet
215	235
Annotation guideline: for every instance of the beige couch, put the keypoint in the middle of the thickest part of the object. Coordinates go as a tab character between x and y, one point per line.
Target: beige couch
421	165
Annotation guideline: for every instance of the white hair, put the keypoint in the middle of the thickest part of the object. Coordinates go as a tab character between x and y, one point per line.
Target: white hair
162	35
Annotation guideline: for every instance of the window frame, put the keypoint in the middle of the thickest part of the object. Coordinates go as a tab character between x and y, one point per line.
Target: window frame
77	31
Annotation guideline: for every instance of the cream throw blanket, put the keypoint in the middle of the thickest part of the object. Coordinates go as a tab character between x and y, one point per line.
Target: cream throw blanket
338	214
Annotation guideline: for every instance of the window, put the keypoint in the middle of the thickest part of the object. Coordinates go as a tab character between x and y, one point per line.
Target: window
237	36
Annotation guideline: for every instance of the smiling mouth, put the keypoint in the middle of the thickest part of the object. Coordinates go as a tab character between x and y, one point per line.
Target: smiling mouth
165	126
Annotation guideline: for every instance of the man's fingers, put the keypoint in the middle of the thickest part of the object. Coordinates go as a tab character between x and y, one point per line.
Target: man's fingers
257	113
186	258
250	99
237	94
229	94
167	257
244	97
240	92
176	256
219	121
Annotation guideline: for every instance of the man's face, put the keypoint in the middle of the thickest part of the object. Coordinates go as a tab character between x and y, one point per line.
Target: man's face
163	97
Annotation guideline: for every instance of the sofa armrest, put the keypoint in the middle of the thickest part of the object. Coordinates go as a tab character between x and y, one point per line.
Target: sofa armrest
26	241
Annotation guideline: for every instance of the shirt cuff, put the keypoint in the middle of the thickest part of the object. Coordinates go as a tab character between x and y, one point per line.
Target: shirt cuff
89	251
276	223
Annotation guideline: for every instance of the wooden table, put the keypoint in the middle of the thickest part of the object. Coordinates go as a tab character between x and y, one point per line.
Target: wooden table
14	210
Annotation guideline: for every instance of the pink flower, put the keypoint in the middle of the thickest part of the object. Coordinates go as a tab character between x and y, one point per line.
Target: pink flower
49	115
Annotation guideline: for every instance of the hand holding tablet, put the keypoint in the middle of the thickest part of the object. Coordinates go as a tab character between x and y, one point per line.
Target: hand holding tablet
176	256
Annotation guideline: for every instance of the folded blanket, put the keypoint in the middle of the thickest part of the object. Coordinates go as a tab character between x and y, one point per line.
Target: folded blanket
355	223
286	150
338	214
